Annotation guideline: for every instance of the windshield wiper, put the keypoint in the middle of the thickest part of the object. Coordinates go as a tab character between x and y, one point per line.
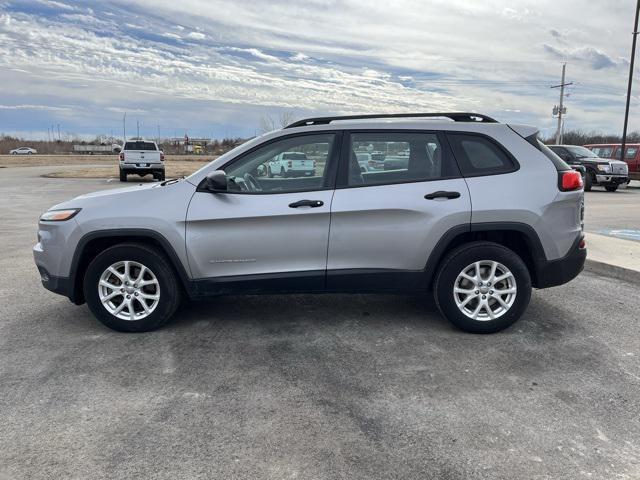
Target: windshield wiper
171	180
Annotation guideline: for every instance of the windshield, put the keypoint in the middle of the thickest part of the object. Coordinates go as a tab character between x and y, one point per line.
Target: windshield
140	146
581	152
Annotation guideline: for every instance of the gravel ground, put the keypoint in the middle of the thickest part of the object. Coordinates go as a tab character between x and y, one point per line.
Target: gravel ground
328	386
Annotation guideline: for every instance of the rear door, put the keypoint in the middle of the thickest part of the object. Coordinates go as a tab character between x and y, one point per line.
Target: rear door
263	228
385	223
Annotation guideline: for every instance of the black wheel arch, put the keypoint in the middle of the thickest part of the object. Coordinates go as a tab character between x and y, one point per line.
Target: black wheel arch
519	237
94	242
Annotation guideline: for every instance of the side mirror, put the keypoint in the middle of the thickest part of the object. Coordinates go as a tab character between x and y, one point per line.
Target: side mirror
216	181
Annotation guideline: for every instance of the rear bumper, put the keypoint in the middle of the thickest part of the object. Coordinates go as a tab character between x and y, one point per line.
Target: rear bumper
558	272
142	167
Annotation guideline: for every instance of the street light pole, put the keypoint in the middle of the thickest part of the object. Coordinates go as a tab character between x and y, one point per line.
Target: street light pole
633	57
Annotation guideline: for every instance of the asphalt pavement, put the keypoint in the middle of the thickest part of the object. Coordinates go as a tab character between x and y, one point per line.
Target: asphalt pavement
310	387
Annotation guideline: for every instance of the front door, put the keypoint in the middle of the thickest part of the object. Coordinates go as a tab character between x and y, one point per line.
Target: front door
266	227
385	221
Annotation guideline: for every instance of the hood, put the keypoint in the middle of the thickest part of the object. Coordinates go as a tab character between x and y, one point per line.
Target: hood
118	191
127	196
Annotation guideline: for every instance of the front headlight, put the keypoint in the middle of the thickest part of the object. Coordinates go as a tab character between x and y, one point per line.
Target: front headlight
59	215
604	168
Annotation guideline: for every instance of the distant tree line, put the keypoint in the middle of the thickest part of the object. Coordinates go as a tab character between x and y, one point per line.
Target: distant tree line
580	137
8	143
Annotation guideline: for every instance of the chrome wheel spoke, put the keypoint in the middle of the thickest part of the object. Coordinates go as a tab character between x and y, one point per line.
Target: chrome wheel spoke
108	285
110	296
116	273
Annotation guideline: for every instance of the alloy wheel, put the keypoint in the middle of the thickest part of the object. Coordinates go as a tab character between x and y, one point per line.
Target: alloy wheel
129	290
485	290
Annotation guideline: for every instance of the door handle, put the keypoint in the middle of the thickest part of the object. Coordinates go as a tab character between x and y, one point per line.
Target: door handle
307	203
442	194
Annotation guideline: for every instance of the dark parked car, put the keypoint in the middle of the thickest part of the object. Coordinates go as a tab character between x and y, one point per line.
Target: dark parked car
599	171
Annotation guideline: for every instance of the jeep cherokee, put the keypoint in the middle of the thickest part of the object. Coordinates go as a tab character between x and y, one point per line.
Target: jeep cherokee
479	213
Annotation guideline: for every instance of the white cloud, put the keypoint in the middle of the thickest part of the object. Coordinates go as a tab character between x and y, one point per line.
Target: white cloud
197	35
498	56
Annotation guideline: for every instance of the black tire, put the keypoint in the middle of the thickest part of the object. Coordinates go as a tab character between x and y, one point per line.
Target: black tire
589	180
611	188
461	257
123	176
149	257
161	176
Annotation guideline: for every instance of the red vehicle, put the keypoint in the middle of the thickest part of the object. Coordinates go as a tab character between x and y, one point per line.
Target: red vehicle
612	151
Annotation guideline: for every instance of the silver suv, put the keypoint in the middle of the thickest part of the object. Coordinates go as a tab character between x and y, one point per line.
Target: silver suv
479	212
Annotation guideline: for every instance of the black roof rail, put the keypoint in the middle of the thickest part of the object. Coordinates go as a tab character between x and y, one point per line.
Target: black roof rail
455	116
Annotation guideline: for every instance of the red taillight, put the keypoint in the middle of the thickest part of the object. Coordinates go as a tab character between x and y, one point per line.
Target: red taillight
570	180
122	157
162	157
582	244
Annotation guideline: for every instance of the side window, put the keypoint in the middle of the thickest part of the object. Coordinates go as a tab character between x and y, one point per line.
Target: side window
378	158
605	152
630	153
478	155
291	164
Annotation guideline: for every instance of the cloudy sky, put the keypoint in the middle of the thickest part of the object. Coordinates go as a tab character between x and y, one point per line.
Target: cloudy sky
214	68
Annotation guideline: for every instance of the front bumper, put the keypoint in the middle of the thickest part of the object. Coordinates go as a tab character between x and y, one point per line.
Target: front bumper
60	285
551	273
612	179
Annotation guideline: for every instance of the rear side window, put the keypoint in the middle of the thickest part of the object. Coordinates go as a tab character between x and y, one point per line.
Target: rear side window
388	157
139	146
477	155
559	163
630	153
604	152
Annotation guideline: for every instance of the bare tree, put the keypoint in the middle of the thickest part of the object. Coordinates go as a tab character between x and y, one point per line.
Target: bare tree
268	123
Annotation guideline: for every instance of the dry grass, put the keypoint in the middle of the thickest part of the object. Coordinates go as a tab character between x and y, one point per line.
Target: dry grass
176	165
49	160
172	169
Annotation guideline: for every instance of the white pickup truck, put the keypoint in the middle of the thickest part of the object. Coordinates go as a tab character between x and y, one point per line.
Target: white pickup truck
141	158
291	164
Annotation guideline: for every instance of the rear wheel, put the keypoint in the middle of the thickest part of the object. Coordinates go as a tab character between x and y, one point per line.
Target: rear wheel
123	176
482	287
611	188
131	288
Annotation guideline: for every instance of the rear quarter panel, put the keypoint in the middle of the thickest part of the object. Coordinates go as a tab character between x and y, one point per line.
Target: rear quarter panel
530	196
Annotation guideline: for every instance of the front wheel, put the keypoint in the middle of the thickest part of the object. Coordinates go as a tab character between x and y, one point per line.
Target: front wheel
131	288
589	180
123	176
482	287
611	188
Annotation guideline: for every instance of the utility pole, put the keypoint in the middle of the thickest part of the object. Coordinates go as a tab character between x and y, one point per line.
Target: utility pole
158	134
633	57
59	133
561	108
124	128
138	128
